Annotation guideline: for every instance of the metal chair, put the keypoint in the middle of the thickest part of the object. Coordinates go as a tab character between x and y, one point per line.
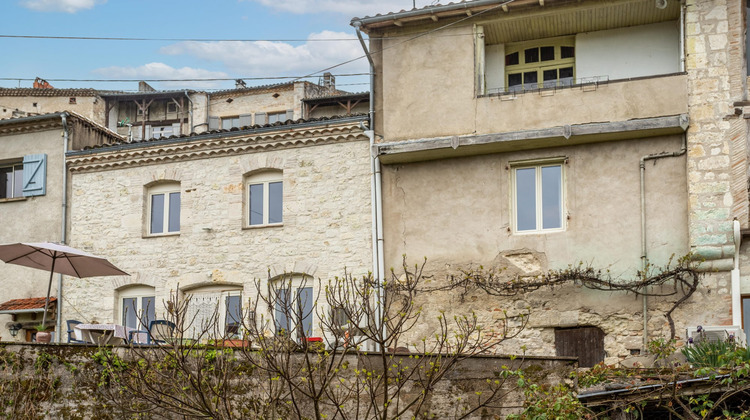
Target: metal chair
161	331
71	332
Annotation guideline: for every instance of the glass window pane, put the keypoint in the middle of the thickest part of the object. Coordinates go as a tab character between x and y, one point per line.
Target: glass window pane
275	193
548	53
552	197
174	212
549	75
18	181
531	55
6	182
526	199
148	311
305	308
282	311
157	213
511	59
130	313
256	204
233	319
566	72
514	79
530	79
567	52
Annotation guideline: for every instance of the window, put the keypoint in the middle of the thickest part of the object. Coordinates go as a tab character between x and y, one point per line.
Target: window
541	64
538	197
264	199
171	107
276	117
11	180
164	209
215	312
294	304
138	307
229	122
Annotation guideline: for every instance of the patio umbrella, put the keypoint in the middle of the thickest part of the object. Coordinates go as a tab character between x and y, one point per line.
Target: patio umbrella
57	258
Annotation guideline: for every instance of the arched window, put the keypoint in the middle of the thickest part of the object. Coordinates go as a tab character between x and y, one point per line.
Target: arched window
137	306
214	312
164	209
265	192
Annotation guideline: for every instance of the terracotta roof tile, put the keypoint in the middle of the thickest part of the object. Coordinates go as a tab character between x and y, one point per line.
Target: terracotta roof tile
21	304
47	92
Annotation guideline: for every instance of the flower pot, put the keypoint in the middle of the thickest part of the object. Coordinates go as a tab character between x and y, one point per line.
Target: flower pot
43	337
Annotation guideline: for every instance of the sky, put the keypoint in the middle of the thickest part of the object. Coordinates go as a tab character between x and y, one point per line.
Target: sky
256	40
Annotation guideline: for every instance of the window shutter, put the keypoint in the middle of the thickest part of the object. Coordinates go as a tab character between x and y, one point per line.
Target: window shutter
246	120
213	123
289	114
34	175
260	118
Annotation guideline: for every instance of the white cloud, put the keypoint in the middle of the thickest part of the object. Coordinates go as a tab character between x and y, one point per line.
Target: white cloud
359	8
265	59
67	6
163	71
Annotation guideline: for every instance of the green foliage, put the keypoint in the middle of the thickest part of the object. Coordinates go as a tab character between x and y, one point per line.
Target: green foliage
714	354
542	403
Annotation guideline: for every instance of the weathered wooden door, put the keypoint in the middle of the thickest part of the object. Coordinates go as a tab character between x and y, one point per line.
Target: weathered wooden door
586	343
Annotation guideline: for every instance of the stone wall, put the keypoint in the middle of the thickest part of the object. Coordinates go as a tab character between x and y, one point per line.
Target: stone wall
71	382
326	228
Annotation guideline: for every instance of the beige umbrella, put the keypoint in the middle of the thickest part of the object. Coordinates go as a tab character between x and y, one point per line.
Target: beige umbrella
57	258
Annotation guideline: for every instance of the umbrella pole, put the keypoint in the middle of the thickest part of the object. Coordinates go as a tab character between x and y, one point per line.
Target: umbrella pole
49	288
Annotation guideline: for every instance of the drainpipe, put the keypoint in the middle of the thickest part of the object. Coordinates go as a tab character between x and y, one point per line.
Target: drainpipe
682	35
63	225
736	292
190	112
378	260
644	247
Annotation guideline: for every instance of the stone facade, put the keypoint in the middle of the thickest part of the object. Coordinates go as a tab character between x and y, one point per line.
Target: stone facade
448	187
326	228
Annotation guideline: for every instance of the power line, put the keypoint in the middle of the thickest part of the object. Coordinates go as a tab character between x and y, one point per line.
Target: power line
97	38
212	79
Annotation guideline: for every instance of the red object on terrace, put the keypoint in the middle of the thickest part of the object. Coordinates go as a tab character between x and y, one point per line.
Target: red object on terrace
22	304
314	339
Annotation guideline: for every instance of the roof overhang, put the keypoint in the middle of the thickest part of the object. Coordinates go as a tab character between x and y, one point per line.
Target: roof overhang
505	21
469	145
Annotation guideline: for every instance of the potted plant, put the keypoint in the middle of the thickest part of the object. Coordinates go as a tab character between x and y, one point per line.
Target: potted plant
42	335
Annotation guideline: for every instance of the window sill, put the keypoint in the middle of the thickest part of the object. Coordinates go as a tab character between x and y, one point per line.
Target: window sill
161	235
10	200
275	225
537	232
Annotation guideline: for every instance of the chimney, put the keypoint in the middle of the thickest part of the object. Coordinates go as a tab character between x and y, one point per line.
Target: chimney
329	81
240	84
40	83
145	87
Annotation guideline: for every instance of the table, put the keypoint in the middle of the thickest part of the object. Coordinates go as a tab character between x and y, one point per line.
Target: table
102	334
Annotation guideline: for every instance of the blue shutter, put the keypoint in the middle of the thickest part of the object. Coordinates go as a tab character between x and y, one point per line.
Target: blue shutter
34	175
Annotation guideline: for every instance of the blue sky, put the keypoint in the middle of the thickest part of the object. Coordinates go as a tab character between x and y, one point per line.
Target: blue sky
184	19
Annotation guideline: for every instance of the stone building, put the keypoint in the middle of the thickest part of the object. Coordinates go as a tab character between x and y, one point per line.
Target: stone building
207	215
45	99
531	135
34	205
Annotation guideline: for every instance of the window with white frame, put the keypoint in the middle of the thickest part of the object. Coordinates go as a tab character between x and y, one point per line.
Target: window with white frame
265	193
230	122
538	201
137	307
540	64
164	209
11	180
215	312
276	117
293	307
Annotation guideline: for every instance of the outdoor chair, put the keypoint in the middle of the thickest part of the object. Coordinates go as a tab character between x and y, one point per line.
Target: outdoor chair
161	331
71	332
138	337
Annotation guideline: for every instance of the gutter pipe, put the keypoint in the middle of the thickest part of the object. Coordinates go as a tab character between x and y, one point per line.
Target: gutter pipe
644	247
378	261
64	223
